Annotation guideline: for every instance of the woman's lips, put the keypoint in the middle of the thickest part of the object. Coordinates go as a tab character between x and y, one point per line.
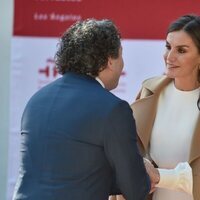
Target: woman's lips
171	66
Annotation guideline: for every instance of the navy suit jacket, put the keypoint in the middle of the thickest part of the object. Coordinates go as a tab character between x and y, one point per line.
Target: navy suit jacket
79	143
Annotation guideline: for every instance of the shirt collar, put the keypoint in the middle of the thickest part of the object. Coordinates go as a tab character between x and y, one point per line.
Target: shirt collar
100	81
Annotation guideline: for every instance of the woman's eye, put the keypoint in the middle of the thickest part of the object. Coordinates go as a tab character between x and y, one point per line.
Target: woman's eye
167	47
181	50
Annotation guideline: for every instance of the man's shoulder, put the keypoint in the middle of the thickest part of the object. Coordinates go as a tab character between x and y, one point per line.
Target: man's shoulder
44	92
107	101
109	96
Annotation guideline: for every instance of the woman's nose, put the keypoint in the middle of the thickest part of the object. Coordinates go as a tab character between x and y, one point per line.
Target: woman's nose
171	56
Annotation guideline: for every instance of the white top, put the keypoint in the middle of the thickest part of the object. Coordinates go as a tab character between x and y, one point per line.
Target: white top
174	125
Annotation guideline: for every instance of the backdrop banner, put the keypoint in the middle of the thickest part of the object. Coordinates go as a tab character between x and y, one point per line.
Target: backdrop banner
38	24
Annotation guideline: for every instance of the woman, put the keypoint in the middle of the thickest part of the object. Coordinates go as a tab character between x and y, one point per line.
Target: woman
167	114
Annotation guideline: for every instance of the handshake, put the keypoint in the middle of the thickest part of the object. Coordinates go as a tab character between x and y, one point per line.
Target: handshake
153	174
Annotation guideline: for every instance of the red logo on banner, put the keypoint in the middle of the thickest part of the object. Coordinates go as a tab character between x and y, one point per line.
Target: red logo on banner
50	68
47	73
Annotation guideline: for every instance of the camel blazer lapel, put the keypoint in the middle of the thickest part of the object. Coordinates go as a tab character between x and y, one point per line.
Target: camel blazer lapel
195	146
144	111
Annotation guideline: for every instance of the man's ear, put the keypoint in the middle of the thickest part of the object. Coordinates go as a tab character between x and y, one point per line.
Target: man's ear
110	63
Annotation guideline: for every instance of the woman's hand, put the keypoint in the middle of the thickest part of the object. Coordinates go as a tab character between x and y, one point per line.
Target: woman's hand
153	174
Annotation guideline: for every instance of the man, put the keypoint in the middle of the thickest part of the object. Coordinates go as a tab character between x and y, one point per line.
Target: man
78	139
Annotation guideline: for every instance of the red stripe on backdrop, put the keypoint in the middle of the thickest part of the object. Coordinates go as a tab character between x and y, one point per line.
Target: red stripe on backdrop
139	19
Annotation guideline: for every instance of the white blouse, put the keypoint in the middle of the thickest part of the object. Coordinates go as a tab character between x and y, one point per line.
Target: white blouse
172	133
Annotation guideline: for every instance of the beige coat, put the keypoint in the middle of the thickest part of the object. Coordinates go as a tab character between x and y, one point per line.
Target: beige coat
144	109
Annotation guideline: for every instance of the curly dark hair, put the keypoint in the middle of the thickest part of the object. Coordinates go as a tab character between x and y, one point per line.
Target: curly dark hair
191	25
86	46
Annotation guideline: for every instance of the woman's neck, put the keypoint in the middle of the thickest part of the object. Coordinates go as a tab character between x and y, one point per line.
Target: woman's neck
186	85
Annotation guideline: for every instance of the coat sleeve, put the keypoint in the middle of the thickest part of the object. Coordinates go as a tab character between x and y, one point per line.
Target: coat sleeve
120	144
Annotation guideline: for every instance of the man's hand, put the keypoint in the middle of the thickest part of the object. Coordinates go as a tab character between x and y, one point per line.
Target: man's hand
153	174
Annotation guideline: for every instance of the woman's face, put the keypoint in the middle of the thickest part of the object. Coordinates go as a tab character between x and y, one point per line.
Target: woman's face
182	58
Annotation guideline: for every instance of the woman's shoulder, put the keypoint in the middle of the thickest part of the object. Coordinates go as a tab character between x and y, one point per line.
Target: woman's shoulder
155	84
155	80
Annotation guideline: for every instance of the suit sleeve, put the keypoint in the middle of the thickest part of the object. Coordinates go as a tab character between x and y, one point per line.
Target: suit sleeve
120	145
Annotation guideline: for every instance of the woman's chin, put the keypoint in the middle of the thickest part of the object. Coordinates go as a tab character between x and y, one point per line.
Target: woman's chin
170	75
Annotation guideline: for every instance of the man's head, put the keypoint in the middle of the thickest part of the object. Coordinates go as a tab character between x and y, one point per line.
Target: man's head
89	47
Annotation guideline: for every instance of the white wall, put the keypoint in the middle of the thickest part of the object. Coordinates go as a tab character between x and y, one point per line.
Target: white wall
6	18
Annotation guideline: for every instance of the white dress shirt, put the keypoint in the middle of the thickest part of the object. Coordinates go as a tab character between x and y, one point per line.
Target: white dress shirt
100	81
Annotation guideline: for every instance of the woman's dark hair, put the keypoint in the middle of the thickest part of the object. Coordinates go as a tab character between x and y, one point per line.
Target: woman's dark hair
198	103
86	46
191	25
